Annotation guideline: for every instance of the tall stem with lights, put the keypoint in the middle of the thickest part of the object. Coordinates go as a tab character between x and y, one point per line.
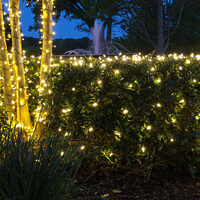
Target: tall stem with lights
23	115
47	30
6	71
47	7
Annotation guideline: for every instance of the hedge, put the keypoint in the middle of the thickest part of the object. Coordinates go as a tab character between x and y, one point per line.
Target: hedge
141	111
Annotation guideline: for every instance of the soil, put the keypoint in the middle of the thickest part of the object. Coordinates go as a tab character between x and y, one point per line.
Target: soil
131	187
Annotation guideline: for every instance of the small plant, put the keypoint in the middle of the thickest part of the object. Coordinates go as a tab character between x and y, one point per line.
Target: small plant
37	169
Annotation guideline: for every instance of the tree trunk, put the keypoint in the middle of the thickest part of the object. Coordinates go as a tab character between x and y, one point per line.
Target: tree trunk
23	116
160	47
109	32
47	6
4	61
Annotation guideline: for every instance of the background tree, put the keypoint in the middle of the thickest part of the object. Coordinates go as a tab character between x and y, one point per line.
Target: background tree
187	36
85	10
108	11
153	21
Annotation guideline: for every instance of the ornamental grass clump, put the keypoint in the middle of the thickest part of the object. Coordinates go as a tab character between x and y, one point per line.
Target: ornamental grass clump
39	169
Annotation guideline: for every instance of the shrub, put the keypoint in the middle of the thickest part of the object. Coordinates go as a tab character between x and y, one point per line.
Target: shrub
144	111
37	170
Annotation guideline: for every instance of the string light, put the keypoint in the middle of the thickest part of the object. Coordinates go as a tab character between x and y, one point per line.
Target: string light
143	149
95	104
149	127
82	148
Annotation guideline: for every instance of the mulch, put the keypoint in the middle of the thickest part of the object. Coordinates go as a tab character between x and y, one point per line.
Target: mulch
132	187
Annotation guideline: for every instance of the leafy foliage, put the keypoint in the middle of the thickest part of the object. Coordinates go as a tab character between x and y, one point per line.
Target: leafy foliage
42	169
142	111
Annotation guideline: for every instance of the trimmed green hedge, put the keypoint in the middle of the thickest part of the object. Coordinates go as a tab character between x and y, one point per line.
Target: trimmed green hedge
143	111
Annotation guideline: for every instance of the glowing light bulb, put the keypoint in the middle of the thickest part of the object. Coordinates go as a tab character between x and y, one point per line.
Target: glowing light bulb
158	105
125	111
116	71
159	80
149	127
91	129
143	149
95	104
99	82
66	134
187	61
82	148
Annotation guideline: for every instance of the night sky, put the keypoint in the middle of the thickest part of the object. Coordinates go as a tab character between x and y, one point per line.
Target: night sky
63	29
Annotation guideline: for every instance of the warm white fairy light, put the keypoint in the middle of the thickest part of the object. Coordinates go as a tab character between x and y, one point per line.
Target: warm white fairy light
143	149
99	82
95	104
82	147
116	71
159	80
158	105
66	134
182	101
66	110
125	111
187	61
91	129
149	127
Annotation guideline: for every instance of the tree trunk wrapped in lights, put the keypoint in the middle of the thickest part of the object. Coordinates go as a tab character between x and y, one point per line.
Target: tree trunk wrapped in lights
23	116
47	6
6	73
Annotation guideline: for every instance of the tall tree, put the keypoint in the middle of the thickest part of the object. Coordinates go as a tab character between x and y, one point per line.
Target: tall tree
23	116
47	7
6	70
47	23
154	21
85	10
108	11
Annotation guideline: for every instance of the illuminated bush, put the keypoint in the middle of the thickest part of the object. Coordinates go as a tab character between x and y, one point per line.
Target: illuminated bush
140	110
